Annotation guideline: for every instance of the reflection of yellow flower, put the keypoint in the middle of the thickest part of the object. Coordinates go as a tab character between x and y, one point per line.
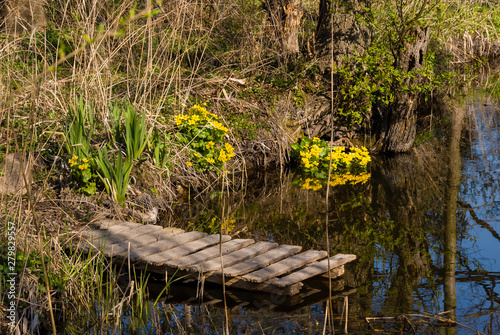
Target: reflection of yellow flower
311	184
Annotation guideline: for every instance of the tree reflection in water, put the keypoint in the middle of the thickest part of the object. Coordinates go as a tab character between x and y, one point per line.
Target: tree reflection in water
421	226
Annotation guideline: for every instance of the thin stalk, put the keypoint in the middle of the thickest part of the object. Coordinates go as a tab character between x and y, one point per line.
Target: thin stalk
329	303
226	314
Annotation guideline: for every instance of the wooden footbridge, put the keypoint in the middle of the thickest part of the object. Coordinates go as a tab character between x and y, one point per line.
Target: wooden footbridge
245	264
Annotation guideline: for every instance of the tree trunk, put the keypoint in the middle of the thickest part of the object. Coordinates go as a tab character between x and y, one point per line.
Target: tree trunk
349	35
398	120
285	17
22	16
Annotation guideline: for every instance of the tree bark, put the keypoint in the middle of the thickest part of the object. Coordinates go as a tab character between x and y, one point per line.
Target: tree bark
285	16
349	36
398	120
22	16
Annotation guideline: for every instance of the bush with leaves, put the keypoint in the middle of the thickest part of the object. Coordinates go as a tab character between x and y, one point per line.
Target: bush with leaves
204	134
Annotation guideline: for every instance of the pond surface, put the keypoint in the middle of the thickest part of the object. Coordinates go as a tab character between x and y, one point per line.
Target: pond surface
425	228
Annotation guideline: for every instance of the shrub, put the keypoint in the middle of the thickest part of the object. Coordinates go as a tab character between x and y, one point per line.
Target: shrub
202	132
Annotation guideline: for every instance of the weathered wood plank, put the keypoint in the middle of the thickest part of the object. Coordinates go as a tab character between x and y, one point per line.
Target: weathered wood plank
261	261
108	223
166	244
120	232
312	270
209	253
94	235
121	248
234	257
122	226
186	249
96	238
285	266
107	242
172	231
116	227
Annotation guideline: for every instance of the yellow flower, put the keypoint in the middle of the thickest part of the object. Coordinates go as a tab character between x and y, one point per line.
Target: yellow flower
73	161
228	225
83	166
219	126
210	160
222	156
179	119
315	150
210	144
85	160
188	163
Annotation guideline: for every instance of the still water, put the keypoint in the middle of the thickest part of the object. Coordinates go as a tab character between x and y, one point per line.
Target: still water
425	228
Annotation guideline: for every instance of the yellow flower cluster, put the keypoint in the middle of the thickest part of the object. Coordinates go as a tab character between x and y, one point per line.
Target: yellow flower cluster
74	161
227	225
219	126
340	156
226	155
198	115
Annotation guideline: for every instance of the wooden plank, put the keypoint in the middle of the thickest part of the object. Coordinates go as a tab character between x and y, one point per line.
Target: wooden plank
261	261
122	226
234	257
285	266
166	244
171	231
96	238
121	248
312	270
107	223
93	235
185	249
209	253
107	243
115	227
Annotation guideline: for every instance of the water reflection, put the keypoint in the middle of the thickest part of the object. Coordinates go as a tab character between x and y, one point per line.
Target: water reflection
425	228
450	215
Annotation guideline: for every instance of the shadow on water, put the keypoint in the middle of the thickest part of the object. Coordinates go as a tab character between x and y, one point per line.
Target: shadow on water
425	228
